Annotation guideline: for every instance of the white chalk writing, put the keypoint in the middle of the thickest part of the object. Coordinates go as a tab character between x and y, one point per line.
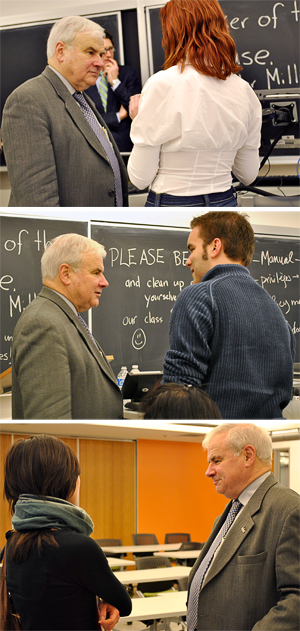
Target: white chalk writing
270	259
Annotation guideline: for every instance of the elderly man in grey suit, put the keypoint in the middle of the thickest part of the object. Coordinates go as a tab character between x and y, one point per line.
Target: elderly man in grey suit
58	149
59	370
247	575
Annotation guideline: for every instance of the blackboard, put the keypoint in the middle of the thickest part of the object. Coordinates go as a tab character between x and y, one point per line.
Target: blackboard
145	268
146	271
23	242
266	34
276	267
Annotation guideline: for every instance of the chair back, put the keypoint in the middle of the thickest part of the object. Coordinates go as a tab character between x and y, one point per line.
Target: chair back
144	539
146	563
191	545
177	537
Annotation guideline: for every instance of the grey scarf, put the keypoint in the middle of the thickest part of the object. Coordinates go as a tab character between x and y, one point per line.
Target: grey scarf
33	512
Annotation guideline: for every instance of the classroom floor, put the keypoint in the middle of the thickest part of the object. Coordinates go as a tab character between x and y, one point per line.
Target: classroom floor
140	626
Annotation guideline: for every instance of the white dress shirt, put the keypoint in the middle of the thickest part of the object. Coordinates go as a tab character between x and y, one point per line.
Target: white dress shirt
192	130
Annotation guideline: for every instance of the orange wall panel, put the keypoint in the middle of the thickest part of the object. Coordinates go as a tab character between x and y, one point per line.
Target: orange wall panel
173	493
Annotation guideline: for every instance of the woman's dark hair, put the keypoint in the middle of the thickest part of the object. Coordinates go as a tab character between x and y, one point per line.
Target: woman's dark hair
40	465
195	32
177	401
234	230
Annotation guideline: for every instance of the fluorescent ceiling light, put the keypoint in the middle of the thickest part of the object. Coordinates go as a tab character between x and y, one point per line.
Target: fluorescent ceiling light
280	432
165	426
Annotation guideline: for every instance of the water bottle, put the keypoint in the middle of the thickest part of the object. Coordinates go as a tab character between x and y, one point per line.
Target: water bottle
122	376
134	369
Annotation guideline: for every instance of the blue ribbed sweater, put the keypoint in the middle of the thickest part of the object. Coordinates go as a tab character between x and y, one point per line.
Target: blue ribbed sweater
228	335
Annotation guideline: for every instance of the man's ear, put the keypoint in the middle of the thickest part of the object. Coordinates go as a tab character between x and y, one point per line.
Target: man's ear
60	48
64	273
250	455
216	247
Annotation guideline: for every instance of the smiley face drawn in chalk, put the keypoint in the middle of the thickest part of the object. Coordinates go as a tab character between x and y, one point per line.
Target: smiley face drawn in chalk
139	339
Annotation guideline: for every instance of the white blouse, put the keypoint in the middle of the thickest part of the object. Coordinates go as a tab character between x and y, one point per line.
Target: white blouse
192	130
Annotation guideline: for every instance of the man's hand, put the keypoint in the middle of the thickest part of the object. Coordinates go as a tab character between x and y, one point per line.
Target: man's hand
134	105
109	616
123	112
111	70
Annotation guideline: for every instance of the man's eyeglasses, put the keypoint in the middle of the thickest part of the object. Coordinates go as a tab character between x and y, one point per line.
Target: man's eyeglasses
111	49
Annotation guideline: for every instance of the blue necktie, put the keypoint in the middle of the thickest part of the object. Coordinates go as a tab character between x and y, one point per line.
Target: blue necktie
104	141
192	612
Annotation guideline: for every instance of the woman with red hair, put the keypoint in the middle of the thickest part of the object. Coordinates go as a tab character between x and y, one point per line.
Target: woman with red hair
196	121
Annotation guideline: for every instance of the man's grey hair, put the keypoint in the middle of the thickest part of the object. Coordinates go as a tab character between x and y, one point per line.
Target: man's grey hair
67	248
241	434
65	31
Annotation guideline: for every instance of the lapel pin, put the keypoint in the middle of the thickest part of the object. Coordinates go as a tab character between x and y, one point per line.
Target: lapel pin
243	529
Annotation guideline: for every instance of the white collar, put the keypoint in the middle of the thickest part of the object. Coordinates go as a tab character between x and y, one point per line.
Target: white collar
67	300
64	80
247	493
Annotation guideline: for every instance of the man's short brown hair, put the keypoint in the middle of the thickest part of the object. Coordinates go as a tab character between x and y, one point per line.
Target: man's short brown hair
232	228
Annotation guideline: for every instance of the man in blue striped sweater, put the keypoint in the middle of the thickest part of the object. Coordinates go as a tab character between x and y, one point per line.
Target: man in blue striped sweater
226	332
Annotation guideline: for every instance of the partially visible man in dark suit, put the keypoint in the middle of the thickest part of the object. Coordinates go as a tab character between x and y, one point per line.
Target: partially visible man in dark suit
59	370
112	92
56	145
247	574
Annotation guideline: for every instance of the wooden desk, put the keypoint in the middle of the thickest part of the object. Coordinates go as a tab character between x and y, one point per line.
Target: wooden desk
173	573
170	605
155	547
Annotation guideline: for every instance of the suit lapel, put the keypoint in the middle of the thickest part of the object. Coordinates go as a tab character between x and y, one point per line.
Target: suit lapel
216	527
95	350
237	533
235	536
98	354
75	112
110	99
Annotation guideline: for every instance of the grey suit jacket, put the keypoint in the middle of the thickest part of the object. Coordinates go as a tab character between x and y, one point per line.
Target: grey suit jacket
52	154
253	582
57	370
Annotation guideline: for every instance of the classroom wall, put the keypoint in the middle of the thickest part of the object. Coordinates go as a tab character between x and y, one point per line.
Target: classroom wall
173	493
21	7
294	448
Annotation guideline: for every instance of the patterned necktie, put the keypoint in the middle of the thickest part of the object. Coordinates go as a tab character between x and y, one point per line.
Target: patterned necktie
103	89
88	330
192	612
103	139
